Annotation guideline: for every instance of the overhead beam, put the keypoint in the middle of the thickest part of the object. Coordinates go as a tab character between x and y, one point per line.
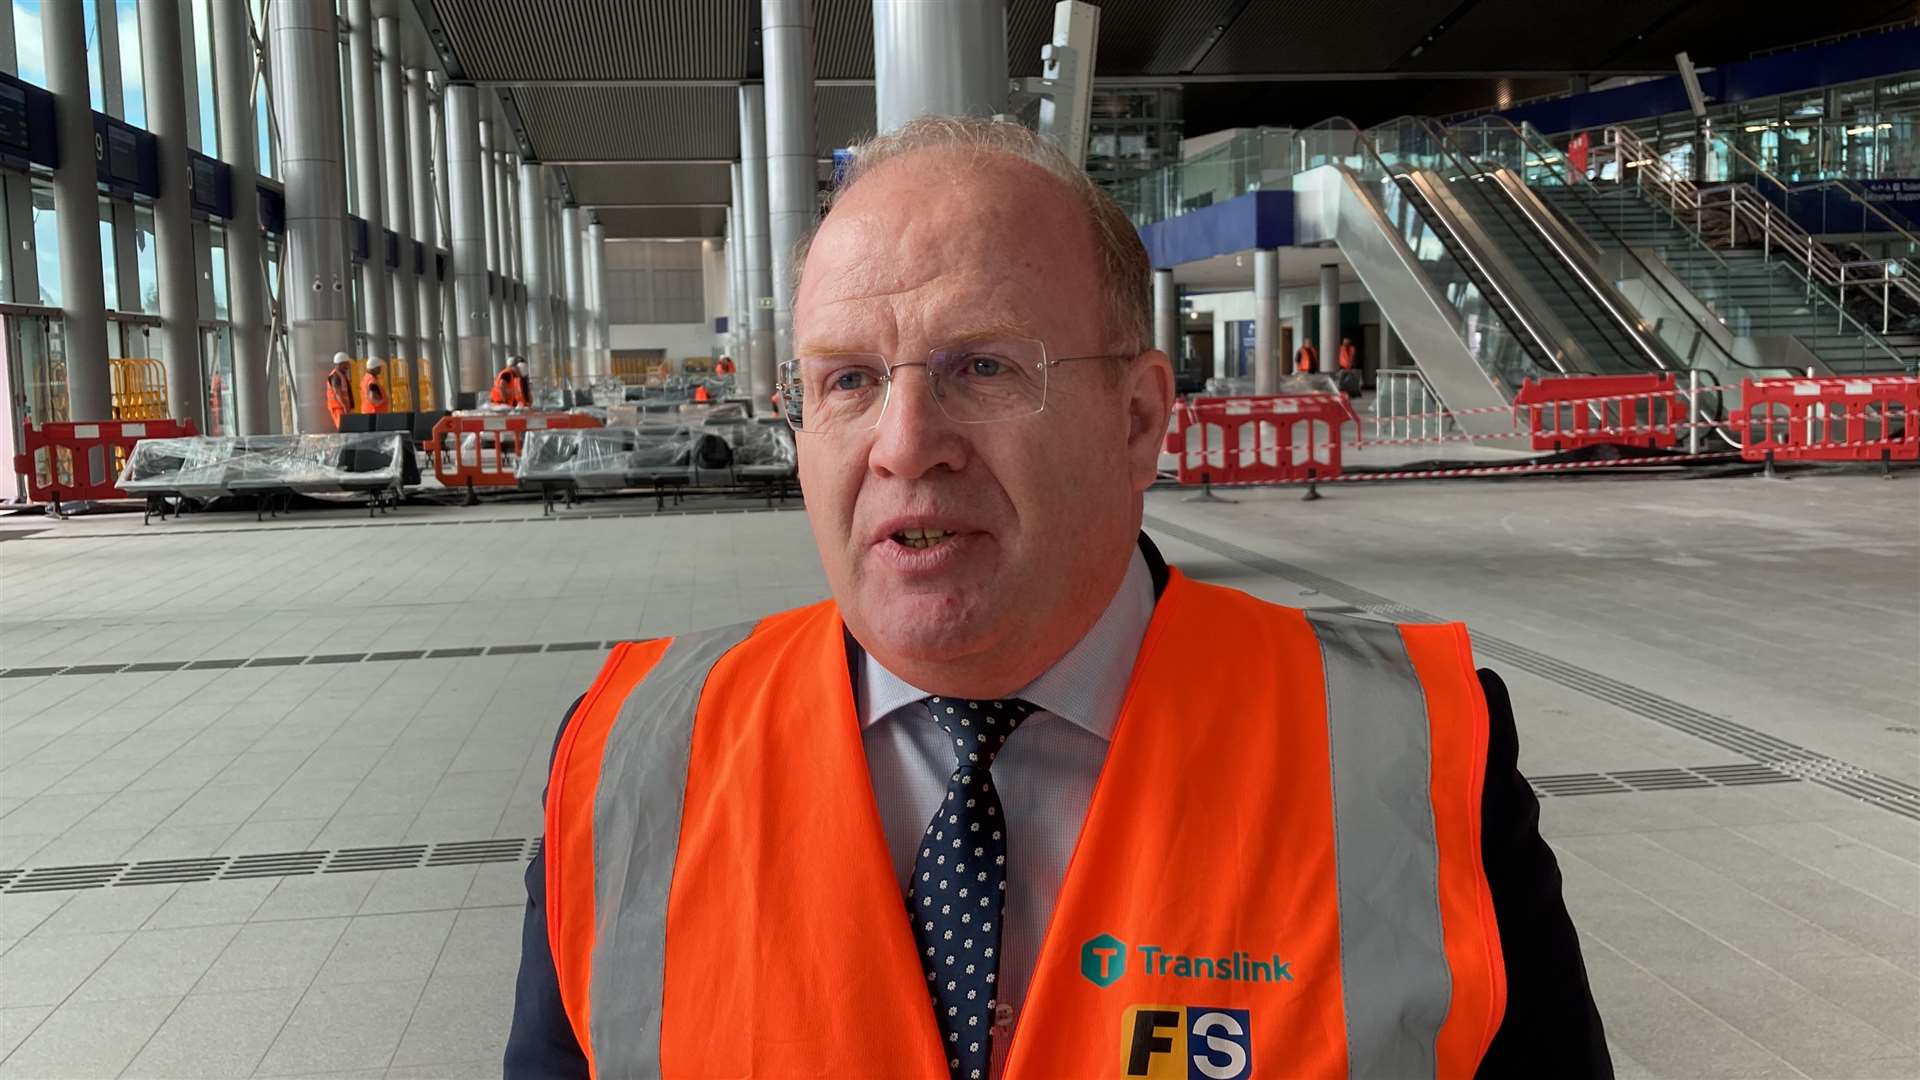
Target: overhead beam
1170	79
653	205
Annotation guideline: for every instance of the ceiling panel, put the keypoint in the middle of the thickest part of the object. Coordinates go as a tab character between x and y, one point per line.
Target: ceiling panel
598	39
842	115
1509	35
1322	35
677	183
638	122
621	224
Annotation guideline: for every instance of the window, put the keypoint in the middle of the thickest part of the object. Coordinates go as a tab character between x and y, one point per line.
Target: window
203	76
148	264
108	277
30	58
46	244
133	82
96	92
218	261
6	245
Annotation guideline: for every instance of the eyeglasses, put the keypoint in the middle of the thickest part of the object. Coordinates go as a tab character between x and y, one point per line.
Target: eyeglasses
977	382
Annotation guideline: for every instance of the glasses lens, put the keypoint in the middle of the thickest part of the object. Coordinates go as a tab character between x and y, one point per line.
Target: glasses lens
834	393
982	381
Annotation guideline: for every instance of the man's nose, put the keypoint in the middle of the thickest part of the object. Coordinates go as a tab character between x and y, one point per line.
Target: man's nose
915	436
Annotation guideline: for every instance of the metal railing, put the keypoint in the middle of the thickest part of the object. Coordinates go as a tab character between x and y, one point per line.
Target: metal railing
1405	407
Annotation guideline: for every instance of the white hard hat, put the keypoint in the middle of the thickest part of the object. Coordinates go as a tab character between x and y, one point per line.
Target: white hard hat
341	358
519	361
373	364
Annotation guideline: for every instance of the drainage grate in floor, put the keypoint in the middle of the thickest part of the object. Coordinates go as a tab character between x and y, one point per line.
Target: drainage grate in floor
1673	779
163	530
266	865
1884	792
461	652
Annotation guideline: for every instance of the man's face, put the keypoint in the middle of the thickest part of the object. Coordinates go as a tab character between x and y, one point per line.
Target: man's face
1039	513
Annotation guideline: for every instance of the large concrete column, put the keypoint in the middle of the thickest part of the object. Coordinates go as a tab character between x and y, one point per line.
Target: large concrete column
938	58
166	91
76	201
306	95
787	40
399	205
472	310
1266	321
599	336
573	272
369	194
1329	318
1166	314
246	273
448	385
427	285
538	270
490	235
758	364
741	325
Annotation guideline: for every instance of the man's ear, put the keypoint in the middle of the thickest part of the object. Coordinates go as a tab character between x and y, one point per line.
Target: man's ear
1148	386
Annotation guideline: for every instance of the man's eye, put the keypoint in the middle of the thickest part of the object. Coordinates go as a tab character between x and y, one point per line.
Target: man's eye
984	365
851	380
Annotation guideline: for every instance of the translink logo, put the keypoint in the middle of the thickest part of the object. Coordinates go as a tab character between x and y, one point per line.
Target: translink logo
1103	961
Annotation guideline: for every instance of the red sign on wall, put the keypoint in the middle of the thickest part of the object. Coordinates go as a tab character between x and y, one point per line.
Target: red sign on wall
1577	152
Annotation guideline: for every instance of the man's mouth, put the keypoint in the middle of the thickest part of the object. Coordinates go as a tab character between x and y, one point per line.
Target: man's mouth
920	539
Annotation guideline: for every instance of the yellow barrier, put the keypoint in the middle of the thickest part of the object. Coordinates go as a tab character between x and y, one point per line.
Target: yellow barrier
139	388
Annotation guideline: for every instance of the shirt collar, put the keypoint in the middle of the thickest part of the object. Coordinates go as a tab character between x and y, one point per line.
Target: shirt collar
1084	687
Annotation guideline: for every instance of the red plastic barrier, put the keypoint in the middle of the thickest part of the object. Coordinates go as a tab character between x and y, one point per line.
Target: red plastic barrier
1829	419
69	460
478	450
1569	411
1259	440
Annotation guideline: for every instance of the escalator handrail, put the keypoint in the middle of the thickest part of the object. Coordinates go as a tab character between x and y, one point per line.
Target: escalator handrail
1363	139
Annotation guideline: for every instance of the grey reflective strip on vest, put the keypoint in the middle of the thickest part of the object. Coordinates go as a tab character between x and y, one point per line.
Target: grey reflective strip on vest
1393	960
636	834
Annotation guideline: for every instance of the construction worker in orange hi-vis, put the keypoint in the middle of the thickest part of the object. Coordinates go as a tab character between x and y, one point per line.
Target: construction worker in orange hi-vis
700	394
724	367
1348	354
373	396
1307	360
340	388
510	386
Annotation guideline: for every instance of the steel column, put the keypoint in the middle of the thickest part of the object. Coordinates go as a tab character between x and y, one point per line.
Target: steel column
573	275
246	269
1166	314
539	273
471	304
599	342
759	363
399	197
1266	320
422	214
368	194
787	37
76	200
1329	318
306	91
490	234
938	58
166	93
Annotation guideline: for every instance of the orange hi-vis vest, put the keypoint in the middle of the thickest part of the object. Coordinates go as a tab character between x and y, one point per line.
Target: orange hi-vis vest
1279	875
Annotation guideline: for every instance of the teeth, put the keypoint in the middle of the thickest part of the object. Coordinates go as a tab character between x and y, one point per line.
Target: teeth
921	538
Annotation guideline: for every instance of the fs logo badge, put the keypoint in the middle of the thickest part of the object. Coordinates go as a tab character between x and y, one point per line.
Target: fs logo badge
1186	1042
1103	960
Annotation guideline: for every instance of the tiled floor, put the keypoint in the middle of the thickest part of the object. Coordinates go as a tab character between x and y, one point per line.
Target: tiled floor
210	690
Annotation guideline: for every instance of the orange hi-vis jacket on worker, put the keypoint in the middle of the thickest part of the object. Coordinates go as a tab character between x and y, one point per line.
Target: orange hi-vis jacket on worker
1348	354
1280	868
510	388
1307	360
339	394
373	396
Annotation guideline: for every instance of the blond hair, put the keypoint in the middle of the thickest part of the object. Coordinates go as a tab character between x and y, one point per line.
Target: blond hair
1124	268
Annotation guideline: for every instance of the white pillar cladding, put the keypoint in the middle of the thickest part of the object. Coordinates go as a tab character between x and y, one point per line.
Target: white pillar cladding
472	307
538	270
573	274
425	218
938	58
1266	321
792	175
305	47
399	198
758	365
369	192
450	327
166	91
76	200
489	233
601	335
1329	318
1166	314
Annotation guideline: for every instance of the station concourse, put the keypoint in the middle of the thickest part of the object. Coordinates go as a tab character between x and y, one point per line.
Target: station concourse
399	370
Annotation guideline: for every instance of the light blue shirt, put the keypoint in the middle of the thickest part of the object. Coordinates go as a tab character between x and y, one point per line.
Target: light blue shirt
1045	775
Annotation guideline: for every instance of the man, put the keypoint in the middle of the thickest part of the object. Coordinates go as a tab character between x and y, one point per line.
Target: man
1306	360
373	395
1349	376
340	388
510	386
1137	823
724	367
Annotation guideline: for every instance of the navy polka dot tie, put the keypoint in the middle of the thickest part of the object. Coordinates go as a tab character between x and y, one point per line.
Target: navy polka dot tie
960	880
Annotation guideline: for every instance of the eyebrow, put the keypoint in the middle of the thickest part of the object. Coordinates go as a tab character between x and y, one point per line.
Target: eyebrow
985	331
